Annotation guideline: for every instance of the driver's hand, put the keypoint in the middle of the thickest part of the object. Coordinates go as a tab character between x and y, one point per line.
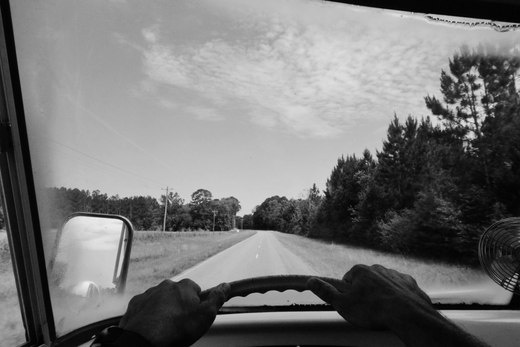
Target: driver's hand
370	296
172	313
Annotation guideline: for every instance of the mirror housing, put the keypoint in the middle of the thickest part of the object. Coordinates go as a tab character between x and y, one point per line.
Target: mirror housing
91	254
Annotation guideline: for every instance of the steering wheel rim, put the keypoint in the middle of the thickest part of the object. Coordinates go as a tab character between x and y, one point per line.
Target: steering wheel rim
264	284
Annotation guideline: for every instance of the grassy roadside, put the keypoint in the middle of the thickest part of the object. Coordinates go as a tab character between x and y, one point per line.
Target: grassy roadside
333	260
157	255
11	324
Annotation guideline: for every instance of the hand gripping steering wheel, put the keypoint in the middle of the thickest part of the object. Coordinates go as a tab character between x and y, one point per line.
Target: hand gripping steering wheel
264	284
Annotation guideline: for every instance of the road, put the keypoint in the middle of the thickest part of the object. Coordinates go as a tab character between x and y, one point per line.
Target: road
259	255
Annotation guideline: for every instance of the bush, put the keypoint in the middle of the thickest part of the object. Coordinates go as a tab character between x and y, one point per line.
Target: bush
396	234
432	228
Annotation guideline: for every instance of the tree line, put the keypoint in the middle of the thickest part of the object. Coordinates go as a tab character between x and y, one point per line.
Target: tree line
203	212
434	186
436	183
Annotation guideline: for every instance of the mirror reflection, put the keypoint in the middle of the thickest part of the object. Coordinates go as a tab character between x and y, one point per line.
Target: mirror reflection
89	255
88	268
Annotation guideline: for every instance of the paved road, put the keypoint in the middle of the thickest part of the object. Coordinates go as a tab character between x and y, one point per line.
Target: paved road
259	255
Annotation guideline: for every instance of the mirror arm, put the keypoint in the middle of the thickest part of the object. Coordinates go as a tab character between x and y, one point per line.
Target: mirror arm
117	279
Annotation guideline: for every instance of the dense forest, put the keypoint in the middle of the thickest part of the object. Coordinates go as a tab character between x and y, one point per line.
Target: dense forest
203	212
437	183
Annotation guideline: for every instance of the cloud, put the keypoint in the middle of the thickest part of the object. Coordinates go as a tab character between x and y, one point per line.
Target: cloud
312	79
151	34
204	113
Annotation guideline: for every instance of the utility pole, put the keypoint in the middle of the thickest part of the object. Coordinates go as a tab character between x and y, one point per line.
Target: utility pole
165	207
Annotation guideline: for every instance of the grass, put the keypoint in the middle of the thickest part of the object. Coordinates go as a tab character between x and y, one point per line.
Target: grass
155	256
11	325
158	255
333	260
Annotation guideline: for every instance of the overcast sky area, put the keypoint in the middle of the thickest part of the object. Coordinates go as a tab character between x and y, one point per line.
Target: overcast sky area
244	98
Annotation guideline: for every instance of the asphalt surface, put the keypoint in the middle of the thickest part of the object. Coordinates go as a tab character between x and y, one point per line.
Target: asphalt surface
259	255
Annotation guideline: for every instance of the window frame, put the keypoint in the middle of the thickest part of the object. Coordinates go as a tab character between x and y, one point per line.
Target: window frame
498	10
22	219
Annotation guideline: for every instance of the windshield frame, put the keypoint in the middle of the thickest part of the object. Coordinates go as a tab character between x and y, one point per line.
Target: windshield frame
496	10
23	225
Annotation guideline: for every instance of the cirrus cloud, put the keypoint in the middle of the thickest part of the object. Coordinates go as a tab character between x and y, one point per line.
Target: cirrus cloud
309	79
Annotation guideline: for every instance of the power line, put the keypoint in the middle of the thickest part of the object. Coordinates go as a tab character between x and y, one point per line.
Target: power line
92	115
103	162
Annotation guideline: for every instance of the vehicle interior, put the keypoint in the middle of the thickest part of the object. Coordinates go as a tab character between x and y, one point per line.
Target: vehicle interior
107	104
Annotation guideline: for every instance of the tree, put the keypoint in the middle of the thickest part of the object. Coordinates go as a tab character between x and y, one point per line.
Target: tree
399	165
114	204
201	196
347	185
183	219
309	210
248	221
200	209
269	215
431	228
98	202
479	94
463	94
228	208
341	195
175	204
144	212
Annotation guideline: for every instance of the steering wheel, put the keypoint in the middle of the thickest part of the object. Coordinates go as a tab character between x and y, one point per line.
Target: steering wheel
264	284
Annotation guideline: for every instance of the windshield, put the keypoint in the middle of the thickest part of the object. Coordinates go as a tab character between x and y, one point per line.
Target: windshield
253	138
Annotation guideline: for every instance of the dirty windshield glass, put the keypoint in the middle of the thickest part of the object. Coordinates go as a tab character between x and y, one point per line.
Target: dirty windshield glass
253	138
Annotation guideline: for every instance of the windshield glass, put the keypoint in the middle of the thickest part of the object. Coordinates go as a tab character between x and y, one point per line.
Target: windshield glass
272	137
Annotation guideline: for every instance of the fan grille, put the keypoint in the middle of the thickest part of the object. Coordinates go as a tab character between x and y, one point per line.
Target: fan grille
499	253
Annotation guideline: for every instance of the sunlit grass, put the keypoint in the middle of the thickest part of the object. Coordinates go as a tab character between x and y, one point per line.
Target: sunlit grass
158	255
155	256
333	260
11	324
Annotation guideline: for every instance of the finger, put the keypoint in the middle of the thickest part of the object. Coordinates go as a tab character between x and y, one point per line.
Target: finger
389	274
323	290
380	268
355	271
164	283
155	288
136	301
226	290
424	296
190	284
217	297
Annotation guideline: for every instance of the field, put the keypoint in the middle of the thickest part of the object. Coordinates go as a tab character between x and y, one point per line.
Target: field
155	256
333	260
11	325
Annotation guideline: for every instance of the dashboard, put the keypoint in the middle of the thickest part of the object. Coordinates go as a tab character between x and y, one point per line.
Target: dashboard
327	328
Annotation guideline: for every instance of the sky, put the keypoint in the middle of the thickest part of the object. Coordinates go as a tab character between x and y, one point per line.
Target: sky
244	98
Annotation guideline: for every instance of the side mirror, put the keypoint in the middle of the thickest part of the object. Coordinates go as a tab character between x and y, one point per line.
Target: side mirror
92	254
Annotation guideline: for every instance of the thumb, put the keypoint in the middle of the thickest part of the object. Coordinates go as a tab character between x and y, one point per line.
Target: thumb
323	290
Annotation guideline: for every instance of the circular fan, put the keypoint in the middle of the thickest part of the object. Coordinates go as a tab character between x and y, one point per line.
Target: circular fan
499	253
